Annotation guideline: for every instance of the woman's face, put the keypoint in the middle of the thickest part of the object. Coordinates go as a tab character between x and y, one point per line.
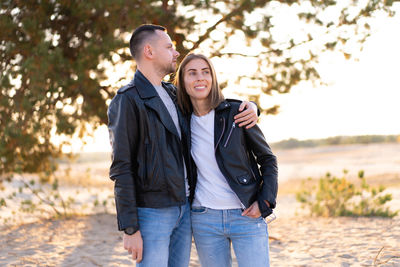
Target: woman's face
197	78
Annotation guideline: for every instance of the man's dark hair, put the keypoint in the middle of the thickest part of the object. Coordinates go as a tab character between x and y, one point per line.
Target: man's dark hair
140	35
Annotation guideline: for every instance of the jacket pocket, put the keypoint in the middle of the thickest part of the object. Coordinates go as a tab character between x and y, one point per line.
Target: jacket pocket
244	179
142	164
146	162
152	178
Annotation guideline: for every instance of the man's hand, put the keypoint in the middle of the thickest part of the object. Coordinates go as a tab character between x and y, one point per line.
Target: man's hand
134	245
248	116
253	211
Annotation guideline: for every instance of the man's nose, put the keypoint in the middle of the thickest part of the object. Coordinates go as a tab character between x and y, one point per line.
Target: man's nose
177	53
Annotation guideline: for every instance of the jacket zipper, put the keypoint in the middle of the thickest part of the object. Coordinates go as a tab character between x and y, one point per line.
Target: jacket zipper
223	130
219	140
229	135
254	175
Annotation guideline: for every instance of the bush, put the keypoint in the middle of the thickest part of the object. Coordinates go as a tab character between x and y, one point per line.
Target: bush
339	197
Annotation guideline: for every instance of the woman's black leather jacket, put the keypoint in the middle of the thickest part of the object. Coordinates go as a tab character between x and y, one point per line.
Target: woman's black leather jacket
244	158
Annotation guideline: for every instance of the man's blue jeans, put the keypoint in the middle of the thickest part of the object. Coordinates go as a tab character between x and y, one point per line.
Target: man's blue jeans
167	237
214	230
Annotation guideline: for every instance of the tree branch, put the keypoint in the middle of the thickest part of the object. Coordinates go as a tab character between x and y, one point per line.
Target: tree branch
209	30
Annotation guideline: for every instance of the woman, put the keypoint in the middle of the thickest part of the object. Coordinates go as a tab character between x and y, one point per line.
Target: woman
232	194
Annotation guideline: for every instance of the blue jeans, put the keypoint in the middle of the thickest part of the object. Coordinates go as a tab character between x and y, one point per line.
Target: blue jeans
167	236
215	230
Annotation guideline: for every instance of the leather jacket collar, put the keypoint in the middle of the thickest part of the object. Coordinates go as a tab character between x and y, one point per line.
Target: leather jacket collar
144	88
223	105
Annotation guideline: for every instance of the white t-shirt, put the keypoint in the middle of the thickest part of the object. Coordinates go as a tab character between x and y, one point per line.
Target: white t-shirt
212	189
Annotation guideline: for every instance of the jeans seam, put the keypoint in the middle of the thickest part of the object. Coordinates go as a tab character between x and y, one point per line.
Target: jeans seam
224	219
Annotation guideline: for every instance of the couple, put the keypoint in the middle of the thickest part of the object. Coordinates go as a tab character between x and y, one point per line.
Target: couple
180	162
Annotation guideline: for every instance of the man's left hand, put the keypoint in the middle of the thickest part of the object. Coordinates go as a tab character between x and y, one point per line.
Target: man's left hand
248	117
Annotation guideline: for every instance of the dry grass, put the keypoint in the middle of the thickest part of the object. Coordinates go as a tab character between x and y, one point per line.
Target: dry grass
292	186
85	169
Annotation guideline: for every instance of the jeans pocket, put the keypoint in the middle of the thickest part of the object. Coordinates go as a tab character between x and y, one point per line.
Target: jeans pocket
251	219
199	210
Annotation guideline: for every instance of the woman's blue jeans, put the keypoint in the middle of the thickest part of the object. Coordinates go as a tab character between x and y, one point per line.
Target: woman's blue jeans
215	230
167	236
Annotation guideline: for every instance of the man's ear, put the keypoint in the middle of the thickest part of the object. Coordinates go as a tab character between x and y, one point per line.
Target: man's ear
148	51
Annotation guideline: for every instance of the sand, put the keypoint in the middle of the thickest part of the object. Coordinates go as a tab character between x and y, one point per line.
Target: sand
296	239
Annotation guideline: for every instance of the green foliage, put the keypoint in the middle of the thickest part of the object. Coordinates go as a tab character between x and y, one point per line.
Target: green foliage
339	197
27	206
3	202
337	140
54	56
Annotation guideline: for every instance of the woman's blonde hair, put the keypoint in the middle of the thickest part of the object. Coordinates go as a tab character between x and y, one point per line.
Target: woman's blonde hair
215	97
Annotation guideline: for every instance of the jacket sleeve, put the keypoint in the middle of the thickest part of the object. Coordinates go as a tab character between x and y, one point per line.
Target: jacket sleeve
268	167
123	134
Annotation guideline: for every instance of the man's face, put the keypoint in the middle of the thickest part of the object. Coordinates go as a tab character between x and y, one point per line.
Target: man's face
166	55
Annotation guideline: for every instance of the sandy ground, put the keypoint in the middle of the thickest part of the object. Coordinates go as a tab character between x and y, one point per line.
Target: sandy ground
296	239
378	161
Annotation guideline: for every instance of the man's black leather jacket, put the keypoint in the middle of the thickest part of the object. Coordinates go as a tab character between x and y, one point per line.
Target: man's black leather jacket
244	158
147	163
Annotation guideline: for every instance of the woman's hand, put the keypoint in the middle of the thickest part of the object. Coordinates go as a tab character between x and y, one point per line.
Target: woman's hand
247	117
253	211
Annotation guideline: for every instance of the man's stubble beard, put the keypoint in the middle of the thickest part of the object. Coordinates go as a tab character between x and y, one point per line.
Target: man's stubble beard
172	68
165	70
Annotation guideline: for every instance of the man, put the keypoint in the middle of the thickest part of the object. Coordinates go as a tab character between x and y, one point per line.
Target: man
152	187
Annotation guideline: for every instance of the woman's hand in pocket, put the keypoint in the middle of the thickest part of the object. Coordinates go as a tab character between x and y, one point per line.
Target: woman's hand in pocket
253	211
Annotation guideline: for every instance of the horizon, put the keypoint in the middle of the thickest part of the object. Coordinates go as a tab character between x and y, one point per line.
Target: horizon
93	147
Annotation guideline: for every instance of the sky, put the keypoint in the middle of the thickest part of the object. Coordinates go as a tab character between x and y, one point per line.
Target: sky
362	96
